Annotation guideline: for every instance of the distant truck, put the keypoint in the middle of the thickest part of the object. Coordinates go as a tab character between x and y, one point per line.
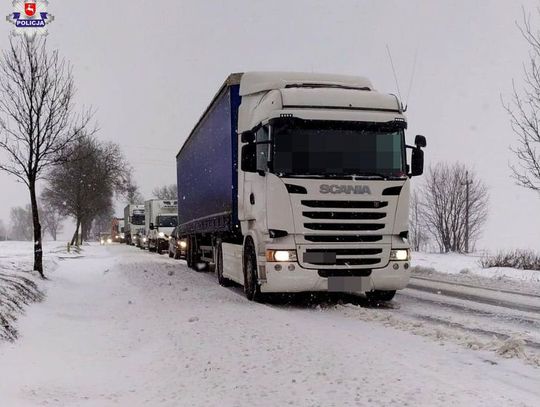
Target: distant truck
134	222
160	220
294	182
117	230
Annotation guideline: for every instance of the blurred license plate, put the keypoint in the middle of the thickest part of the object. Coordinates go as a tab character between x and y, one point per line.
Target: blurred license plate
348	284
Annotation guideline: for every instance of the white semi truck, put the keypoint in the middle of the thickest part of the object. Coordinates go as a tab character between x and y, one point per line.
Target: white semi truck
160	220
295	182
134	222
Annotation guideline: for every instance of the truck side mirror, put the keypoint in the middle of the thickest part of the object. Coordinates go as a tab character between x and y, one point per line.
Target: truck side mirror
417	162
420	141
151	226
249	158
248	137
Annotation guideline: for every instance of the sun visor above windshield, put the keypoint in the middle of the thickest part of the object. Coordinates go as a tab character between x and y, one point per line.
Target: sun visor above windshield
254	82
347	99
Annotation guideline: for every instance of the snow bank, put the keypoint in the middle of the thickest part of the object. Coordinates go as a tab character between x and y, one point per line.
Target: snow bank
454	263
18	284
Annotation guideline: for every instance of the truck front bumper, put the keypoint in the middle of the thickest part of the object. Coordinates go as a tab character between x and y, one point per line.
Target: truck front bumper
299	279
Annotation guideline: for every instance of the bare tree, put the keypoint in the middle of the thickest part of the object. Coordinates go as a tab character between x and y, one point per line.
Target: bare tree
524	111
52	218
445	206
84	186
3	230
21	223
418	237
132	193
166	192
36	117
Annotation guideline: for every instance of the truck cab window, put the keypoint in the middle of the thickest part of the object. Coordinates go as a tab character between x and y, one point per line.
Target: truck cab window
262	138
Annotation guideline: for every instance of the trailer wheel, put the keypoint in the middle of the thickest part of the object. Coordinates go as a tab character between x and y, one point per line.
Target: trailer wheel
189	256
223	281
251	286
193	257
379	295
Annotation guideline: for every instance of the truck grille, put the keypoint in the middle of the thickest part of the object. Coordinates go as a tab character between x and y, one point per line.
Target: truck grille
344	239
344	226
345	215
345	204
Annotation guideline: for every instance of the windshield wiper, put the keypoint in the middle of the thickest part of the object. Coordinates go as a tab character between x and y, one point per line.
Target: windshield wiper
364	175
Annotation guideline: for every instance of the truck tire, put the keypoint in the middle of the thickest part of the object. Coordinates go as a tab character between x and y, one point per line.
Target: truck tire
193	257
170	254
189	256
223	281
379	295
150	248
251	285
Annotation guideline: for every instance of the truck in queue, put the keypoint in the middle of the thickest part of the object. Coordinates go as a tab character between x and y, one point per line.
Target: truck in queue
160	220
299	182
134	223
117	230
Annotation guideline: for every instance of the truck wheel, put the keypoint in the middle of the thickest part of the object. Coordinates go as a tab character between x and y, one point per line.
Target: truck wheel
170	253
379	295
223	281
176	255
251	286
189	256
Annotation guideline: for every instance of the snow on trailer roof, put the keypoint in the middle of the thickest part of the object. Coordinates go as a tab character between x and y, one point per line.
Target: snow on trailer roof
254	82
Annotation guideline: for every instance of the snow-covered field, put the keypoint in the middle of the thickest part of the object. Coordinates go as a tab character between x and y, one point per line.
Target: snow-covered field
123	327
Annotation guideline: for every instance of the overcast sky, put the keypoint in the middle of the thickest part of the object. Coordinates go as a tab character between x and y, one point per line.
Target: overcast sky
150	68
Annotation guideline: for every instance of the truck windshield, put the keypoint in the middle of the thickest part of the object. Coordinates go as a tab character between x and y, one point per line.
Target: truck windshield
137	219
314	148
167	221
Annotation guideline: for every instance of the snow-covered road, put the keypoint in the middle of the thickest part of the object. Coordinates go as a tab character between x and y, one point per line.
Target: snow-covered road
123	327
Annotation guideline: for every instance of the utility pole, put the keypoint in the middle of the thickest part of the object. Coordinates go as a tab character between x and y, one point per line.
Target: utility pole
467	183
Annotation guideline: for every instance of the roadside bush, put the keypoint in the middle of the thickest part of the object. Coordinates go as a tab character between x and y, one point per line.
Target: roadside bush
15	293
519	259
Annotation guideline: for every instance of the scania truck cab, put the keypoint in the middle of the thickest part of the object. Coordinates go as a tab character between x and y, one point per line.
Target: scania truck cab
320	181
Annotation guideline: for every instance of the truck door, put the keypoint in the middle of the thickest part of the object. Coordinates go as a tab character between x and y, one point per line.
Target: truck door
254	198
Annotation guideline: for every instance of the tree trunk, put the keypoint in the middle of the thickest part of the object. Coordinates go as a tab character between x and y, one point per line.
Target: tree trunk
75	239
38	247
83	231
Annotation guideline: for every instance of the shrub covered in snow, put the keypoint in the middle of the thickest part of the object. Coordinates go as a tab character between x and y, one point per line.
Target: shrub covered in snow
520	259
15	293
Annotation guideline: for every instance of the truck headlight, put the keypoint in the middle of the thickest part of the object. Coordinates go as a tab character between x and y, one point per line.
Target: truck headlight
109	240
182	244
400	255
144	239
161	234
280	255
